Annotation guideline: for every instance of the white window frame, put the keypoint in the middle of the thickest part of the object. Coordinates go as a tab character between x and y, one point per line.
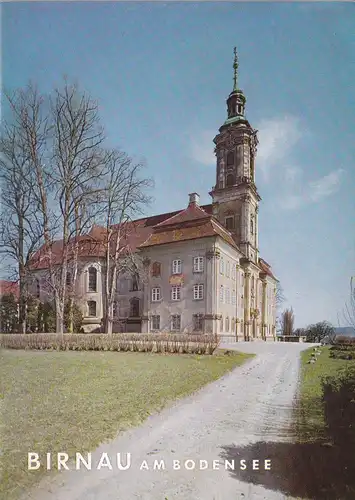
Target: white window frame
234	272
221	266
176	266
176	317
156	294
234	298
228	269
221	294
198	291
198	264
152	327
197	318
176	292
227	295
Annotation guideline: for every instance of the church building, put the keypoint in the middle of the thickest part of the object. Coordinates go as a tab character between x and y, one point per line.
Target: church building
204	272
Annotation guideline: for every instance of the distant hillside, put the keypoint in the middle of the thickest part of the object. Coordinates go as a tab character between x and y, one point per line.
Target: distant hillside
348	331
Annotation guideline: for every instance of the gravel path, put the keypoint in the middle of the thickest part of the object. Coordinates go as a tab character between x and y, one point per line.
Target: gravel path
249	405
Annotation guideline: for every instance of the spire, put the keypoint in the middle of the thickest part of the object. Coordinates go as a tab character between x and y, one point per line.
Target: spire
235	67
236	100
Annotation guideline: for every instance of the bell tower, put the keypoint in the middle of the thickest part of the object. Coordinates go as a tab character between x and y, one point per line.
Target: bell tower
235	198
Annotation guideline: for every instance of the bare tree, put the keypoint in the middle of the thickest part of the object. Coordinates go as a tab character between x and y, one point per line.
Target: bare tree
75	169
347	315
124	199
287	322
279	300
21	142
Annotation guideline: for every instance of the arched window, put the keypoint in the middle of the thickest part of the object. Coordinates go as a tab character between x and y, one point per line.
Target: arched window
230	159
156	269
92	308
92	279
230	180
134	307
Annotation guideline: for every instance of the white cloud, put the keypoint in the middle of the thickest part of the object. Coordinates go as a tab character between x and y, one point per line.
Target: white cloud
312	191
325	186
202	148
277	137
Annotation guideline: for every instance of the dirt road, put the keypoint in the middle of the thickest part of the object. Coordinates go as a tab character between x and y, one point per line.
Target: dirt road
222	423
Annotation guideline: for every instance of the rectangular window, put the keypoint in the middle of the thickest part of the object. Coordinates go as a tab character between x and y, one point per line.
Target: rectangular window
155	322
221	266
115	309
135	283
228	296
198	264
227	325
234	298
175	322
198	292
197	321
234	273
156	295
92	308
92	279
177	266
229	223
221	294
228	269
221	324
176	292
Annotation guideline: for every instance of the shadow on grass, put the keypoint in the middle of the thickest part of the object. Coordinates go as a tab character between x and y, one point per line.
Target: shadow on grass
318	463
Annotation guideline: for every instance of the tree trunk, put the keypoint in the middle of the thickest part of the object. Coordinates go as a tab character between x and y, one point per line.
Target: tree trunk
70	315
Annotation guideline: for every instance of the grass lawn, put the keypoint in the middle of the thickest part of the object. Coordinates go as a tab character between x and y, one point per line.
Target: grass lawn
310	416
71	401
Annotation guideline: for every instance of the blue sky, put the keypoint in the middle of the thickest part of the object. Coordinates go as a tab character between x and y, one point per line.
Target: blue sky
161	73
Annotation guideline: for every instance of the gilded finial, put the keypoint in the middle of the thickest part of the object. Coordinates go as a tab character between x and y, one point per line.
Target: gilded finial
235	67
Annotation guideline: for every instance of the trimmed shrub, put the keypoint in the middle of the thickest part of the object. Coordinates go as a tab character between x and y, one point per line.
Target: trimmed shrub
160	343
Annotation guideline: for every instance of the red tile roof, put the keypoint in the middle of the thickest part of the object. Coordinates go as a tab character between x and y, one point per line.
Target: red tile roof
7	287
182	225
266	268
191	223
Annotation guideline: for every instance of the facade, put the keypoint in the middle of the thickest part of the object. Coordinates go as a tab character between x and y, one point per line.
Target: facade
201	270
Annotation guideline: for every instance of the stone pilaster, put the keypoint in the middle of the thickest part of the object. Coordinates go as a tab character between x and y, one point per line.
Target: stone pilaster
247	322
263	311
146	296
212	258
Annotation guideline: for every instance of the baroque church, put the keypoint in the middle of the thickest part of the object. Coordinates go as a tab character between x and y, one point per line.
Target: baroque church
204	271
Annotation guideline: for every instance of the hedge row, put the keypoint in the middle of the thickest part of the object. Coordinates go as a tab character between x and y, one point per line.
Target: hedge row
164	343
342	347
345	341
343	353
